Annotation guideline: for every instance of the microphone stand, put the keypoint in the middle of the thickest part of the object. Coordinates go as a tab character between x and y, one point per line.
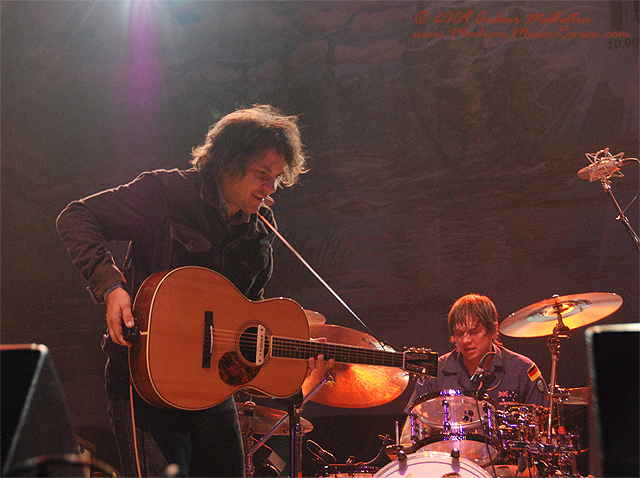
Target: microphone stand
295	431
606	184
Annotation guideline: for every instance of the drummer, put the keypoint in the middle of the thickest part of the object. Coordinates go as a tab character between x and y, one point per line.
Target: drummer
510	378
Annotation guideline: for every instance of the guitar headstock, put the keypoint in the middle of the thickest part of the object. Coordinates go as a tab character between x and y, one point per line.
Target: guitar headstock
421	362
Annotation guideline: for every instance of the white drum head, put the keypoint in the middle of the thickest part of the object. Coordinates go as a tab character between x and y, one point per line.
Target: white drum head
428	464
471	447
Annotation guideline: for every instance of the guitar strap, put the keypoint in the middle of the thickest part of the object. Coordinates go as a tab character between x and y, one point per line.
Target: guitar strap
322	281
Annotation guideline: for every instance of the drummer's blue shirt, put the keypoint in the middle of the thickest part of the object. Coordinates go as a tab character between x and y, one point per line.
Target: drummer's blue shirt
512	379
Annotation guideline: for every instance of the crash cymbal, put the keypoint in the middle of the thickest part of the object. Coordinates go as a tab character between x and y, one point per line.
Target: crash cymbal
578	396
577	310
314	317
356	386
257	420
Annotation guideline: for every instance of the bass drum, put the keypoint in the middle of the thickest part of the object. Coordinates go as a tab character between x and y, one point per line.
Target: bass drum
432	464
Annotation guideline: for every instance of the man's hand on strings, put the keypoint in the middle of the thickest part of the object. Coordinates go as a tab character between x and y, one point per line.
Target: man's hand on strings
319	361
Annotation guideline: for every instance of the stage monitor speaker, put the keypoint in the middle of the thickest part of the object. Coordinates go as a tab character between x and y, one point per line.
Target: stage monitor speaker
614	355
37	431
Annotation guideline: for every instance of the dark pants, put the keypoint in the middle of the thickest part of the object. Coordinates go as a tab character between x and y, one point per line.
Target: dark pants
202	442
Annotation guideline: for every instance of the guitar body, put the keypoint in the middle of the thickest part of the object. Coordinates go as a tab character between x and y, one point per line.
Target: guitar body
198	337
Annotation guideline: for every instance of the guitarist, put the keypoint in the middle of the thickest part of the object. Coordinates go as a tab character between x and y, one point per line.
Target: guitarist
204	216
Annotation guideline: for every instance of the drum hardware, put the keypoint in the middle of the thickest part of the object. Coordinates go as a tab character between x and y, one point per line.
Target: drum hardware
400	453
320	453
258	420
295	431
551	448
264	461
553	342
351	468
524	439
557	317
485	421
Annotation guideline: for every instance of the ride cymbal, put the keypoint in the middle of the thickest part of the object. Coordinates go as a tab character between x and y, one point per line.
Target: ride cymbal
258	420
539	319
356	385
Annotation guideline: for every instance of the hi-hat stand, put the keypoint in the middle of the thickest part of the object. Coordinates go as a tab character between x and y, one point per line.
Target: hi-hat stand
295	432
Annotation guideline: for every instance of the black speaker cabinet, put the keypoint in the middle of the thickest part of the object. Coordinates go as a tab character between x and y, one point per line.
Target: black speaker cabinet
613	354
34	414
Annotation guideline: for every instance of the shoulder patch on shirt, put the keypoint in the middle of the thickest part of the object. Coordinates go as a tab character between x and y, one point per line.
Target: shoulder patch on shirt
533	372
542	388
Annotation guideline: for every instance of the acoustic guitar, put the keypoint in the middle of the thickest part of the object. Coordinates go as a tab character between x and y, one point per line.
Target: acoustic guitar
201	341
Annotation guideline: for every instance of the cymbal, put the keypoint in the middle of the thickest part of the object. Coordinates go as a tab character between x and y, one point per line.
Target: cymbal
577	310
578	396
356	385
259	420
314	317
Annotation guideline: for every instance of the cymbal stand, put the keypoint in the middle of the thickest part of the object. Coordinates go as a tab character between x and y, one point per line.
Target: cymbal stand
606	184
295	431
559	331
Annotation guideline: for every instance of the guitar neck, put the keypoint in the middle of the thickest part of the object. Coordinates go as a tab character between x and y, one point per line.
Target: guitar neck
284	347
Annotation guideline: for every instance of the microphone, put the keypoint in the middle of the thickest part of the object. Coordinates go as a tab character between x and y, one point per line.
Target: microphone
603	166
320	452
478	377
481	373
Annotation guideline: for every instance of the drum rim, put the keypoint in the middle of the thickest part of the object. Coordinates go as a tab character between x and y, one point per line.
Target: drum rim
454	436
451	392
465	464
495	446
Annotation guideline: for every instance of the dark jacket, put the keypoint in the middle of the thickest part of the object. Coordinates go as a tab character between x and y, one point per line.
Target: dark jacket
516	379
171	220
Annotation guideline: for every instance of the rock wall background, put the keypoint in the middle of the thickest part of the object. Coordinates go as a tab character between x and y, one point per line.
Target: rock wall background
440	166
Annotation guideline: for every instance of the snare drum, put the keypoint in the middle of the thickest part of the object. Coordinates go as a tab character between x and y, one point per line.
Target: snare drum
432	464
451	419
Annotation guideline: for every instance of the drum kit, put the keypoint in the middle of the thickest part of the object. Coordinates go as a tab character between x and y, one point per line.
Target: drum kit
453	432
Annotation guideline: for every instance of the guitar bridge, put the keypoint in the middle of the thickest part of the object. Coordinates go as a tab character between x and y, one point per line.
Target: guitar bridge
260	344
207	346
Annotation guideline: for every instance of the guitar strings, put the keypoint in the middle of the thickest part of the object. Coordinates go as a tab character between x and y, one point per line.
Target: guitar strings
304	348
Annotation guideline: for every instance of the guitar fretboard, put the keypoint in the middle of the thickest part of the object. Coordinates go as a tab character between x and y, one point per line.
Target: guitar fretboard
302	349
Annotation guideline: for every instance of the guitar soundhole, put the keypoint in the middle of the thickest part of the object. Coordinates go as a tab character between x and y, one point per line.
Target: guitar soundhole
248	345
